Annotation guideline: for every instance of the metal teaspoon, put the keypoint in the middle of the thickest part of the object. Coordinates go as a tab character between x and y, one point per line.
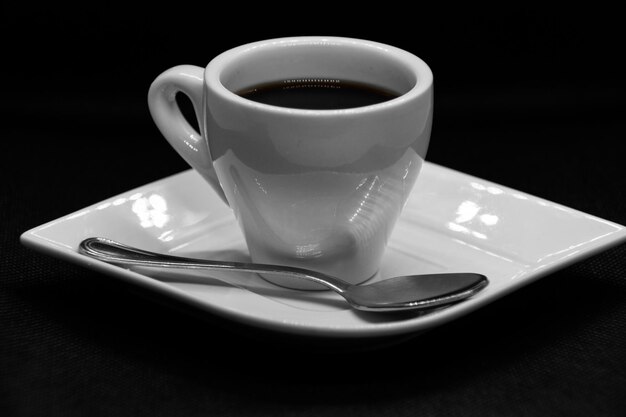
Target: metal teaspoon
411	292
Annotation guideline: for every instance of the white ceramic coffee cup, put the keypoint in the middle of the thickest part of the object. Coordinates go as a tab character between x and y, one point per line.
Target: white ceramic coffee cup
318	189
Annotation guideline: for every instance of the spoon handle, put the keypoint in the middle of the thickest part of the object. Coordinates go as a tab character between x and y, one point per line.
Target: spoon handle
117	253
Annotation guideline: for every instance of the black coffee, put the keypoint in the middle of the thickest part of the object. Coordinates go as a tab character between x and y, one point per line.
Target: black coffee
317	93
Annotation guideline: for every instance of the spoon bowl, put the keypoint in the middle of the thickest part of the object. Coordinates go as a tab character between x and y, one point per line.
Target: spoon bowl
410	292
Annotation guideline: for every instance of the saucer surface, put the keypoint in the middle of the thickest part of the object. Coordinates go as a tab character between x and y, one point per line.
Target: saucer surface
452	222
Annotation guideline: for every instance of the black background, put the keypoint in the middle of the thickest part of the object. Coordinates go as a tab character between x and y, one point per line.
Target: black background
529	98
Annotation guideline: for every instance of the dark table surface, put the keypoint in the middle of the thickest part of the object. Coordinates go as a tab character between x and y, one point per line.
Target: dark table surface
527	99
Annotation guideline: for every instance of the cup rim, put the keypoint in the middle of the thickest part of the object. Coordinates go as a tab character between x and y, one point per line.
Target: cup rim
213	71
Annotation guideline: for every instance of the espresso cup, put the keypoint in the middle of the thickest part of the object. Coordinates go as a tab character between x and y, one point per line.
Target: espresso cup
312	188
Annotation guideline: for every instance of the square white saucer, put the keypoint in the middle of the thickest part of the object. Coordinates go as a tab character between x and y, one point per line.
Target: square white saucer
452	222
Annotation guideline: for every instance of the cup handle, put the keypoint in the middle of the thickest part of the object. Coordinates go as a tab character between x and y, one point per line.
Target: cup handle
190	145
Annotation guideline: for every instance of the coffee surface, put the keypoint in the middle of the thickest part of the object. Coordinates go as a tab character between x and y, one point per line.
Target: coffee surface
317	94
